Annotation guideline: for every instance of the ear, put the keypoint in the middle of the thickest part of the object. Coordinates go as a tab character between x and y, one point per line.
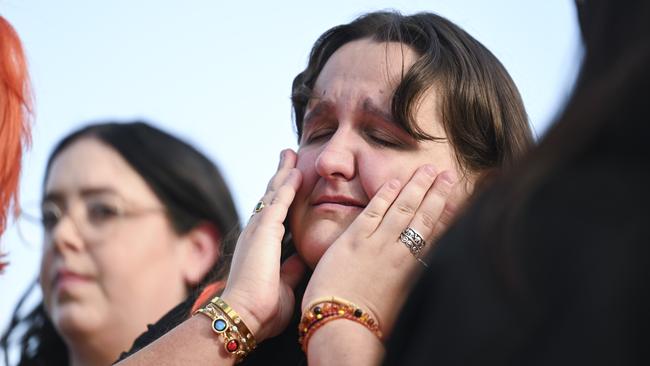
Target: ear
201	249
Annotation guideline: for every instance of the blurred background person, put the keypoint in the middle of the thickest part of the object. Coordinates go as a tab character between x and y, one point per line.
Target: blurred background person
15	108
133	221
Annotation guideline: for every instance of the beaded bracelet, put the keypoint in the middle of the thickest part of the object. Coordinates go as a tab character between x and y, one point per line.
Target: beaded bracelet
324	310
238	340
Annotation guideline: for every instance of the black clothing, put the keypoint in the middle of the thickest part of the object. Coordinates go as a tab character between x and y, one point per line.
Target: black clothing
281	350
560	278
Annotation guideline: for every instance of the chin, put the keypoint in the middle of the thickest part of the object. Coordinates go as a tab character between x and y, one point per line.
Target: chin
74	320
315	241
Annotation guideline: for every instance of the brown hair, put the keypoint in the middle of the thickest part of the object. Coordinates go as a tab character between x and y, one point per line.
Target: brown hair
482	111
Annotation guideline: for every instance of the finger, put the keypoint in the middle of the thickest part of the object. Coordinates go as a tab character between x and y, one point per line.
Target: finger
374	212
271	216
276	210
292	271
456	199
408	201
287	161
427	222
263	233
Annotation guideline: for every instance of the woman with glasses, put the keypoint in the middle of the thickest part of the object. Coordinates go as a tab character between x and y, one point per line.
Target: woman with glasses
133	221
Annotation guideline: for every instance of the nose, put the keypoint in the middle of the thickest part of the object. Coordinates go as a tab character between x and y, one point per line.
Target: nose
65	236
337	157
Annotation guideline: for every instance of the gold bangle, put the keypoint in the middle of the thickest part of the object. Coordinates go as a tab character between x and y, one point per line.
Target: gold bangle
238	339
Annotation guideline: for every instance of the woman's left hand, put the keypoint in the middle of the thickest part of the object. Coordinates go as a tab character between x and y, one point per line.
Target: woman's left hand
368	264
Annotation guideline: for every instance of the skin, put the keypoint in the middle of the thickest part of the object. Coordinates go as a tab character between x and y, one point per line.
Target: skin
348	195
101	290
351	146
349	153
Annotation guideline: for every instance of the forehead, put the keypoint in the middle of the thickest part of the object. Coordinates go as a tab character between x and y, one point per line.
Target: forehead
89	163
366	73
366	64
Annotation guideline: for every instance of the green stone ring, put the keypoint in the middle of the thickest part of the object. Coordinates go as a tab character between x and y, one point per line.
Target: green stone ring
259	207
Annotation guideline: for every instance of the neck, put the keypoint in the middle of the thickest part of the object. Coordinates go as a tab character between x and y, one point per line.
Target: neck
89	351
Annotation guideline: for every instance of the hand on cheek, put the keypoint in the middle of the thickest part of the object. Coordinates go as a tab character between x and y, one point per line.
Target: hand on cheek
368	264
258	287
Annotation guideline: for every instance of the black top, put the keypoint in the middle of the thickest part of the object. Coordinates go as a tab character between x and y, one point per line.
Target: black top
280	350
566	282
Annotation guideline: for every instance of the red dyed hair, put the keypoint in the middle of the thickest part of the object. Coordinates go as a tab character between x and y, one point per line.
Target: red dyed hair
210	291
15	110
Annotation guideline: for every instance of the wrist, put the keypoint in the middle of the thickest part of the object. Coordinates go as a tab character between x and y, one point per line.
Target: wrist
344	343
326	310
238	340
252	321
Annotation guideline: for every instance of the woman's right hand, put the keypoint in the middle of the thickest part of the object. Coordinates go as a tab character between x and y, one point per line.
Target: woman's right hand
259	288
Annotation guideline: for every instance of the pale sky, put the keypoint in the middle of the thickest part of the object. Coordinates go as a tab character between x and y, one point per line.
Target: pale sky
218	74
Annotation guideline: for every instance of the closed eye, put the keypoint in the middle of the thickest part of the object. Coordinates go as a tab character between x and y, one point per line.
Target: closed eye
385	139
318	135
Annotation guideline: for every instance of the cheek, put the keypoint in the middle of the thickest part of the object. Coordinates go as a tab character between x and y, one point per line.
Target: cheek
378	168
306	163
45	274
130	260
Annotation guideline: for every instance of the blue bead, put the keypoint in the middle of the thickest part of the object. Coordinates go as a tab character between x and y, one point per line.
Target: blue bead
219	325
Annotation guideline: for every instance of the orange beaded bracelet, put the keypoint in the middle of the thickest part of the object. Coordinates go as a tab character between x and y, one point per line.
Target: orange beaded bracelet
324	310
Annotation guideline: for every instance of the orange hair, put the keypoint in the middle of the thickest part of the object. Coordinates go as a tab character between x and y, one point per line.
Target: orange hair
15	110
210	291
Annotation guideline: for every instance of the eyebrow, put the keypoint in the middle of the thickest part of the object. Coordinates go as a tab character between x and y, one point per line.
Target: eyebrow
85	192
321	108
369	107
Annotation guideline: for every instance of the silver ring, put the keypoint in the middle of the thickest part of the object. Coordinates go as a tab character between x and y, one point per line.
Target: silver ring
413	240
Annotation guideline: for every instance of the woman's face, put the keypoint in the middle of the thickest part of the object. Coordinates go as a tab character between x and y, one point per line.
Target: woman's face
109	264
350	145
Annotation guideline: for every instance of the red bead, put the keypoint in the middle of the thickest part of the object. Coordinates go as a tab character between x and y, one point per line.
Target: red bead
232	346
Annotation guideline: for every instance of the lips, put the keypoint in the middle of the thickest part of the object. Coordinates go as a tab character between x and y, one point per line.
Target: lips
65	277
339	200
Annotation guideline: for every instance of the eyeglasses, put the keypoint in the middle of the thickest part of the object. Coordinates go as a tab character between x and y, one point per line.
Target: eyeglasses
96	218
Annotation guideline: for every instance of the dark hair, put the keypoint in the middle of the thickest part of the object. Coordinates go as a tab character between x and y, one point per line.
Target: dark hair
609	103
482	110
187	183
610	93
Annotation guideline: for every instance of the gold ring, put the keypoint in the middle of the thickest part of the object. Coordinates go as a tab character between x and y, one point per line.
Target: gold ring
259	207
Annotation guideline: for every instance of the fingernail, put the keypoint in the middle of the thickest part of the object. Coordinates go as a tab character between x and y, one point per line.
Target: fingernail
448	177
430	170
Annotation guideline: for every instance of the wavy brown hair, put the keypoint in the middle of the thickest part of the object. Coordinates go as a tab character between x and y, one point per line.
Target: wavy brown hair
482	111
